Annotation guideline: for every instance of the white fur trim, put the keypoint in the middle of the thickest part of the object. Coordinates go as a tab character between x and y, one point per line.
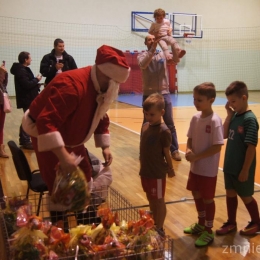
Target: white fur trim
28	125
102	140
49	141
115	72
93	74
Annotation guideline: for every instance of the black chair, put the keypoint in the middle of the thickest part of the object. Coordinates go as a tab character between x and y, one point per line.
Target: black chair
33	178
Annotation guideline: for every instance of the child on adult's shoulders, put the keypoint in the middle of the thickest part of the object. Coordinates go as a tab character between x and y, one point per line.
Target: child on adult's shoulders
162	31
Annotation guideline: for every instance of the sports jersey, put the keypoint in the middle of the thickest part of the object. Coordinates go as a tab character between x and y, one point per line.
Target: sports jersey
205	132
243	129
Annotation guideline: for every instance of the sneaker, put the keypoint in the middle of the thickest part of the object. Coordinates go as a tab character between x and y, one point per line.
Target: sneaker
27	146
205	239
176	156
250	229
181	53
194	229
226	228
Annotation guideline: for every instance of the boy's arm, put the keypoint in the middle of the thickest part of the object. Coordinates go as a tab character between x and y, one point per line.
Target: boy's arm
166	151
250	154
230	114
207	153
188	148
189	145
169	31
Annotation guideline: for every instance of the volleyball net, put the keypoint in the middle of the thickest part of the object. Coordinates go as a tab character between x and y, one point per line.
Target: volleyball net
221	56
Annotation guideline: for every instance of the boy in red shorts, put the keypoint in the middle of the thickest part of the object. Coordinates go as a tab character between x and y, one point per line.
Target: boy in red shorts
205	138
241	130
155	158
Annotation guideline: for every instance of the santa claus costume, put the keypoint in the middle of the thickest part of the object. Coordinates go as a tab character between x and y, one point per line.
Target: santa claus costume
71	108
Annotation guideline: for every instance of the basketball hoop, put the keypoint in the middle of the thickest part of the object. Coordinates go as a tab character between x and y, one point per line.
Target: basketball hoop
188	36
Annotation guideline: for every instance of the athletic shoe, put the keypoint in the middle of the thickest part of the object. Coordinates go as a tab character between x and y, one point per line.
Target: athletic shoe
205	239
250	229
226	228
176	156
194	229
27	146
181	53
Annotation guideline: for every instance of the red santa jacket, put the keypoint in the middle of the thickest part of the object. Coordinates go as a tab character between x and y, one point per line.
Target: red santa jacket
64	112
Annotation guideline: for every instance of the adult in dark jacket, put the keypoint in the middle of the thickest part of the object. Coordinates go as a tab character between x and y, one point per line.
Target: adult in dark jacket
56	62
27	88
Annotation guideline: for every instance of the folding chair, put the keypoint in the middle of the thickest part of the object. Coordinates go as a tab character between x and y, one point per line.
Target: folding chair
33	178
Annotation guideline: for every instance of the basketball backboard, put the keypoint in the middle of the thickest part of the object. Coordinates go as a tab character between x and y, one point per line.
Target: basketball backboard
181	23
186	23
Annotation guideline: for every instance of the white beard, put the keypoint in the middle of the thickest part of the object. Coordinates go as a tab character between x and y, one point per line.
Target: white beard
105	99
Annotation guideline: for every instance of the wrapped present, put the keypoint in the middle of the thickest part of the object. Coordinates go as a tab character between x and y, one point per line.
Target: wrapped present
71	190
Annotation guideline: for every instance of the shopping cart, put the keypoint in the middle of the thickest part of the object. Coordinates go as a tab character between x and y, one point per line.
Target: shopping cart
114	200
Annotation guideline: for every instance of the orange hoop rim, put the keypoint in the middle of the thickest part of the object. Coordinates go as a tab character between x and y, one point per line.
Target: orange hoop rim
188	35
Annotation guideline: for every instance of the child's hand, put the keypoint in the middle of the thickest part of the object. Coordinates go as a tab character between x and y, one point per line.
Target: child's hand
188	151
190	156
229	110
243	176
171	173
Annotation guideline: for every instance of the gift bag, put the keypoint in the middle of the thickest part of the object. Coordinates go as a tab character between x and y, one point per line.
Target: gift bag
71	190
7	103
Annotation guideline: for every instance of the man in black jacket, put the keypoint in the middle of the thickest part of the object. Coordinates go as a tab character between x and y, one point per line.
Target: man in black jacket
27	88
56	62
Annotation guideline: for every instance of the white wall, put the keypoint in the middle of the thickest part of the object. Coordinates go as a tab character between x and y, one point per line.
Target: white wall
229	50
216	13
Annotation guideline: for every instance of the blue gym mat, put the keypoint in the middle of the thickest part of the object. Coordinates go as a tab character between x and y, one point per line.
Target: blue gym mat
178	100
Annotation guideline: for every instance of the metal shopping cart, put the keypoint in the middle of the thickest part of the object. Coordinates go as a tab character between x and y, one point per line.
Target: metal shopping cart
115	201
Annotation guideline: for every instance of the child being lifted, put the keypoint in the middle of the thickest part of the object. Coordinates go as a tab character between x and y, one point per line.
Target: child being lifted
162	30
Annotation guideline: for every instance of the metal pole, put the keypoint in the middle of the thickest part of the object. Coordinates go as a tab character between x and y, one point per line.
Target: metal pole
183	199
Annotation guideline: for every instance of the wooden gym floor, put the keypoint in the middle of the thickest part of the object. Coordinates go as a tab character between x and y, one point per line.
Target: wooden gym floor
125	126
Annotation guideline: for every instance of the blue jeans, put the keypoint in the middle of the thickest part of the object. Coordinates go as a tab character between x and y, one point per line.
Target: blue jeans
168	120
24	138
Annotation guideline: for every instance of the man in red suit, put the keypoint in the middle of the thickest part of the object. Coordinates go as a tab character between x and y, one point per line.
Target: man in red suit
70	109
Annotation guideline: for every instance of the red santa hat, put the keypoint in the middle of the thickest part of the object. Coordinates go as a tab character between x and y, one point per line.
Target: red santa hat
112	62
